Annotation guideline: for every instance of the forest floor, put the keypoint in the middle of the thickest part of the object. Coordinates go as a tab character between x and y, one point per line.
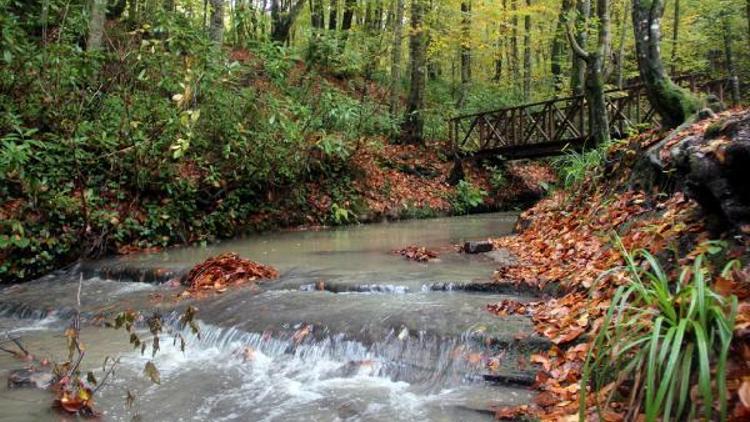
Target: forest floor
567	241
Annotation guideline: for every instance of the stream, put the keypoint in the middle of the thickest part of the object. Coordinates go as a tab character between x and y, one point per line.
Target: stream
386	339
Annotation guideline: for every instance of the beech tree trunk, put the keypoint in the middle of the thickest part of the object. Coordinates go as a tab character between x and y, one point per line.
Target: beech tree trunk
621	52
673	103
413	126
578	72
500	48
514	40
346	20
559	46
396	59
465	54
729	57
675	36
133	11
283	15
216	29
316	15
333	15
594	81
96	25
527	53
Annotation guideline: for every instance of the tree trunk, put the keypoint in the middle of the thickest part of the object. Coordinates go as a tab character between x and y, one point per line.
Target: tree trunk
527	53
621	52
333	15
729	56
595	70
514	40
674	104
216	29
96	25
396	58
675	37
413	126
133	11
346	20
282	19
465	54
559	44
578	73
316	15
594	83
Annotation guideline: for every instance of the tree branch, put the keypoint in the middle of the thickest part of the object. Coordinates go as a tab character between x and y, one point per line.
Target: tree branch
577	49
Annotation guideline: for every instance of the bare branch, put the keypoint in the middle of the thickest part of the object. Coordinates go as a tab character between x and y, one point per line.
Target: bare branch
577	49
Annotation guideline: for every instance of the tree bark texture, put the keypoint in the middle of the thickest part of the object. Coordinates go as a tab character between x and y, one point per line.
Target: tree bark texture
216	28
673	103
465	54
559	46
527	53
96	25
578	72
413	126
396	58
283	15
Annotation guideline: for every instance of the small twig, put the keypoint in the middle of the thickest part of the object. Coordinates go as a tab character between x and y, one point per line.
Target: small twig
20	345
11	352
109	372
77	328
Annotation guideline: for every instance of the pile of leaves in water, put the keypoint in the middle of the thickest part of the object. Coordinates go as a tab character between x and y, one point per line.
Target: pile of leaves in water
416	253
218	273
566	241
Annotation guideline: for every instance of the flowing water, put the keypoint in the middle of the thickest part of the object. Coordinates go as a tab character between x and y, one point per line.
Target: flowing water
387	339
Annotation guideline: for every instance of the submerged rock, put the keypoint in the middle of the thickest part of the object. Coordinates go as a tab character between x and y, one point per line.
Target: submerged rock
474	247
30	378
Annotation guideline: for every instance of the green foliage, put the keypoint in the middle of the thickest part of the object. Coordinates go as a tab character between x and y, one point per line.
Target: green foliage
467	198
573	167
664	335
158	140
497	177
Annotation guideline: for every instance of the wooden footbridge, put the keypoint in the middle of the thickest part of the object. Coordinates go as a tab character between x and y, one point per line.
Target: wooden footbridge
547	128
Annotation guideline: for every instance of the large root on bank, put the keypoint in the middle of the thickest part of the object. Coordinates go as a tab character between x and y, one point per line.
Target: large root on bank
218	273
713	166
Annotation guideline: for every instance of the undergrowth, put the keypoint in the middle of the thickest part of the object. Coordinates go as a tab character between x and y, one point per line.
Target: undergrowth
660	336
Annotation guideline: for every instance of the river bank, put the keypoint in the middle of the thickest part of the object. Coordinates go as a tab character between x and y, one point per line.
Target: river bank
580	247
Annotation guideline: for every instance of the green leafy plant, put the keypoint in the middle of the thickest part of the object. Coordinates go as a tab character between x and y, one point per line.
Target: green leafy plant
467	197
574	166
497	177
660	336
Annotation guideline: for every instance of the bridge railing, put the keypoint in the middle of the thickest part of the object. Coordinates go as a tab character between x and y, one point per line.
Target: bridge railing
547	126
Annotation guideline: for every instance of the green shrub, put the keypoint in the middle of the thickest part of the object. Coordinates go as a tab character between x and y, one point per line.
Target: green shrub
467	198
661	336
574	166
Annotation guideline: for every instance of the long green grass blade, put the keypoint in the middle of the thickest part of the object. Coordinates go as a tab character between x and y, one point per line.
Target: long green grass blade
704	372
667	385
685	373
651	370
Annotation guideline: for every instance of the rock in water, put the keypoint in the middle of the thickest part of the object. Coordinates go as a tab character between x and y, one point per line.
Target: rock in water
478	247
30	378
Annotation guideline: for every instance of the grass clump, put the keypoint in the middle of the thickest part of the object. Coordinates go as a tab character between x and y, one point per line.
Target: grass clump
574	166
660	337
